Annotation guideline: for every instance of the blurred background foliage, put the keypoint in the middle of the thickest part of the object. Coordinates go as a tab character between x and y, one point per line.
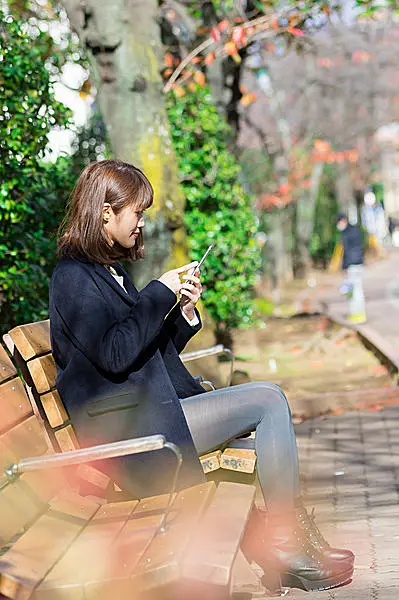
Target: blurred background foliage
260	154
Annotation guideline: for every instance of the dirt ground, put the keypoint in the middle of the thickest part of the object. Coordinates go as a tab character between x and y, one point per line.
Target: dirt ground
306	356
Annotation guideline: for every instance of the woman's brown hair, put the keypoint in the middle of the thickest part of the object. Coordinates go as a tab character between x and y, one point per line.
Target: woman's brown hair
82	231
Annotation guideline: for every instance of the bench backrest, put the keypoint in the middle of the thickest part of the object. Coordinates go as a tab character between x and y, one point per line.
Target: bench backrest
31	349
22	434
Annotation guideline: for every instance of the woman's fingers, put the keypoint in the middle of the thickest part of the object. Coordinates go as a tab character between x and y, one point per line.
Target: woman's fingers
188	286
185	268
193	297
192	278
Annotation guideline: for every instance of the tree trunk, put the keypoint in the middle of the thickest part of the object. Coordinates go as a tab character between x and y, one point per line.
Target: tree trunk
304	220
122	41
345	195
281	242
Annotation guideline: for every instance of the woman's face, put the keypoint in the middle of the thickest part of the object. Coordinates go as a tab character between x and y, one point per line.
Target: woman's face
123	228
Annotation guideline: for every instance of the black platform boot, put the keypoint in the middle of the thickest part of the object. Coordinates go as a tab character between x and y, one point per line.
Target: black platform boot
278	544
314	535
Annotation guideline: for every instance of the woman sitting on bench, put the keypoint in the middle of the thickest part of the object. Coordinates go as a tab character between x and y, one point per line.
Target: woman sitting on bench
120	375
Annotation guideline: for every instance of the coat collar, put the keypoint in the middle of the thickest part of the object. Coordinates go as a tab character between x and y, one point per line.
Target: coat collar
131	294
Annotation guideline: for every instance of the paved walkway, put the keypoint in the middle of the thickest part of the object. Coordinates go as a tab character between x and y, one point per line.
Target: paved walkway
350	462
350	471
381	285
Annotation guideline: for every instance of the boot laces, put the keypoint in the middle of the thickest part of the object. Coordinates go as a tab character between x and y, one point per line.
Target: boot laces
309	521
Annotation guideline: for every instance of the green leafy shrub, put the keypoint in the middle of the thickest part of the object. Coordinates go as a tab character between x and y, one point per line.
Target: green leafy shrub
32	193
218	210
325	234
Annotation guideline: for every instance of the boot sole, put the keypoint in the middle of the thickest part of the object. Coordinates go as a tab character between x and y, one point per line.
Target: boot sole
296	581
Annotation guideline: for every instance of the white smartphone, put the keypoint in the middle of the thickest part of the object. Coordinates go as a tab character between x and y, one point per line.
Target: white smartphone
202	259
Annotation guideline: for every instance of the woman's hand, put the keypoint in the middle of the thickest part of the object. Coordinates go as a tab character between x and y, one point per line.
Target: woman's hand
190	292
172	278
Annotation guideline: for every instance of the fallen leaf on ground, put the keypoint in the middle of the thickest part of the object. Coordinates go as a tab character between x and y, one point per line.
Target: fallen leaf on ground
379	370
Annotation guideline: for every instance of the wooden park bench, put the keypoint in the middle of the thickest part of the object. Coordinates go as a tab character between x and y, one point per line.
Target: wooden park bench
30	347
56	544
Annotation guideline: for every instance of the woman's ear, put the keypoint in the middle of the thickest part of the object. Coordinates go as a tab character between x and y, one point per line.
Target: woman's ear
107	212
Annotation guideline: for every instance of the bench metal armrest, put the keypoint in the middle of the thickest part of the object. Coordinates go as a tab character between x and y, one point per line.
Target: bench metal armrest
111	450
211	351
84	455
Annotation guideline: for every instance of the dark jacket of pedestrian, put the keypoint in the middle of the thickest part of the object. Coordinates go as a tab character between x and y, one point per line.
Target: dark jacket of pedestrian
119	370
353	246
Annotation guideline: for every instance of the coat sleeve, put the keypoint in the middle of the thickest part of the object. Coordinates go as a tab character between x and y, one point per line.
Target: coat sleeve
178	330
90	324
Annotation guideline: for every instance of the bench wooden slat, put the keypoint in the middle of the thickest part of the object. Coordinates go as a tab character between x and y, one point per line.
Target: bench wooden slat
160	564
210	556
54	408
91	475
32	339
14	404
143	557
211	461
24	566
7	369
23	500
87	556
43	372
238	459
67	439
127	550
25	439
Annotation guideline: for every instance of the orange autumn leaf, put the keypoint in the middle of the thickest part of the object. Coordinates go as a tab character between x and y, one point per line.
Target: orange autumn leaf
230	48
275	24
322	146
192	86
178	91
379	370
295	31
247	99
215	34
327	63
167	72
238	36
223	25
209	58
199	77
196	60
169	59
284	189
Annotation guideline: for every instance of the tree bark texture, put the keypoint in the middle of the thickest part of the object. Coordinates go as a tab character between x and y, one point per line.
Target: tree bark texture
281	244
122	41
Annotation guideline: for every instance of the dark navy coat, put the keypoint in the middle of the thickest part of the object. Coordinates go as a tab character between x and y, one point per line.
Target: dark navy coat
353	246
119	371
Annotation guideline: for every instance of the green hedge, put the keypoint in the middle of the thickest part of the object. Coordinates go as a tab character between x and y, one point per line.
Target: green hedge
218	209
32	193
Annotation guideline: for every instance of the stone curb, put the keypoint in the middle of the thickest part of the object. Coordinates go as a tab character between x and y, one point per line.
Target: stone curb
372	340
